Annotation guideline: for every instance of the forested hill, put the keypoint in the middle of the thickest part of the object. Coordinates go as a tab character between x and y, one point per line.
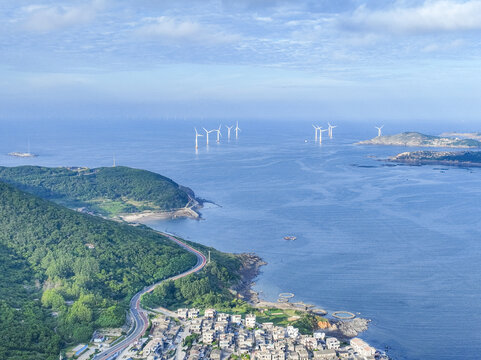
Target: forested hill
80	267
107	191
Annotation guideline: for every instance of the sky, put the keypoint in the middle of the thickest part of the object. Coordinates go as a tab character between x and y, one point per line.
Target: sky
266	59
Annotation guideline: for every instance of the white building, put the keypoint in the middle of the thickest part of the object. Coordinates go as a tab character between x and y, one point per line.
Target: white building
208	337
325	354
183	313
362	348
193	313
332	343
209	313
236	319
250	320
292	332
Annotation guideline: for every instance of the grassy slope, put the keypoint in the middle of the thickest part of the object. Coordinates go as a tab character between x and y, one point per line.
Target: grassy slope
107	190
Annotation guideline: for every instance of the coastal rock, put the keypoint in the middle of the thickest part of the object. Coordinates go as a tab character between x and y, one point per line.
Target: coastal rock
250	269
352	328
323	324
456	158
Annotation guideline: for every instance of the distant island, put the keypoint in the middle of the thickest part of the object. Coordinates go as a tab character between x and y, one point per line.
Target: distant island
454	158
472	135
112	192
422	140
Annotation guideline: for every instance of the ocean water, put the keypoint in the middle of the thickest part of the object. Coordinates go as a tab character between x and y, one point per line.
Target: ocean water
398	244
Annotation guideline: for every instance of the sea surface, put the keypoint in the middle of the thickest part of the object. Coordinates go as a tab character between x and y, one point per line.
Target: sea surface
400	245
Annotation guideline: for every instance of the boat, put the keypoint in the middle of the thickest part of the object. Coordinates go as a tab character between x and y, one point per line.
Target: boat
290	238
21	154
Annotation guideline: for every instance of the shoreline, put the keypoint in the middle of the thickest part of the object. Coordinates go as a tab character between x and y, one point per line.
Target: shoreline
251	269
150	215
435	162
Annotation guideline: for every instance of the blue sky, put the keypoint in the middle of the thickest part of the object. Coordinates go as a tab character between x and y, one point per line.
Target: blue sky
343	59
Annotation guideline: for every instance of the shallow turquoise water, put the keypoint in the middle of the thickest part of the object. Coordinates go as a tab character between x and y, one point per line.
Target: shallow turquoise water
399	244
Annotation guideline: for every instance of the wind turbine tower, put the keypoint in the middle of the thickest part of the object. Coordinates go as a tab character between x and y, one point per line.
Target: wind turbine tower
207	132
316	128
218	133
330	129
229	128
379	132
237	129
320	134
196	137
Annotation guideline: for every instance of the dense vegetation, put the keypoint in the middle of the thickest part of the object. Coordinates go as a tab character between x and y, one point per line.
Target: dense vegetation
26	330
204	289
81	268
107	190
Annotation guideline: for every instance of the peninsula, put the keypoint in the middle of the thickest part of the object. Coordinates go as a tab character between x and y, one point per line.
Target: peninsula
421	140
452	158
112	192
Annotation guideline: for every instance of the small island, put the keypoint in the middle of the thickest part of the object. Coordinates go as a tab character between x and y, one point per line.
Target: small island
452	158
422	140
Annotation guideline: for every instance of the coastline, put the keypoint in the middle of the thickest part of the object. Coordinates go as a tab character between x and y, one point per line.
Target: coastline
187	212
435	162
251	269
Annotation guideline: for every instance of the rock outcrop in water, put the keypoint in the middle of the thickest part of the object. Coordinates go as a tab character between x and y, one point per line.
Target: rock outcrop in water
418	139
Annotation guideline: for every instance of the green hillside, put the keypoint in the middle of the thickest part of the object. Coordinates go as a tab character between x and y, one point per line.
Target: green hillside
81	267
108	191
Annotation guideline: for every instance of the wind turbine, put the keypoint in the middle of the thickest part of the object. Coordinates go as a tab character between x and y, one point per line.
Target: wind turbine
196	137
379	132
316	128
207	132
218	133
330	129
320	134
237	129
228	131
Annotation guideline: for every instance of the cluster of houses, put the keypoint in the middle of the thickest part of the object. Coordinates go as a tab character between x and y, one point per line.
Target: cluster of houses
224	336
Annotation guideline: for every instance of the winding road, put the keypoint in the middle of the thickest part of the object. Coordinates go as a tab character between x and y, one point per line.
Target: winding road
139	315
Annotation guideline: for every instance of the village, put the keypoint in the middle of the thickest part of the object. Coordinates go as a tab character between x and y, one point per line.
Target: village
188	334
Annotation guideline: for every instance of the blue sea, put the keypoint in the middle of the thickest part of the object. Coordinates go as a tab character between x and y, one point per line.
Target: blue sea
400	245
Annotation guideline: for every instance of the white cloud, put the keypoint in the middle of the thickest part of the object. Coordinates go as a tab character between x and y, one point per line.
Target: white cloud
432	16
46	18
172	29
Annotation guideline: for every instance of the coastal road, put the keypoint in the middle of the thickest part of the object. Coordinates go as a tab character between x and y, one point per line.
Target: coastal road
139	315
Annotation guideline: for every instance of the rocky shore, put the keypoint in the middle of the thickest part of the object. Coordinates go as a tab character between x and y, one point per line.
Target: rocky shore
449	158
250	270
